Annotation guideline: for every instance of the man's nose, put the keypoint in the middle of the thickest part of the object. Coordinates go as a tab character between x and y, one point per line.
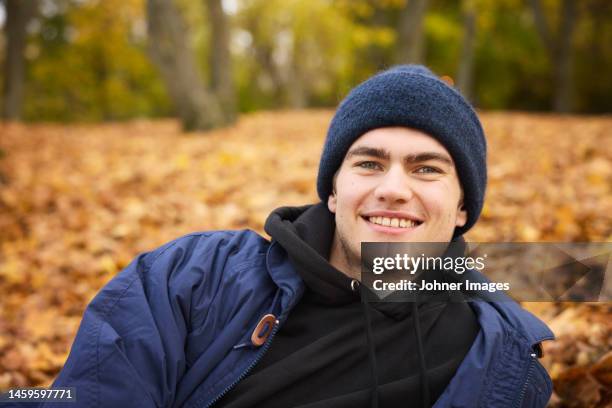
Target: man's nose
394	187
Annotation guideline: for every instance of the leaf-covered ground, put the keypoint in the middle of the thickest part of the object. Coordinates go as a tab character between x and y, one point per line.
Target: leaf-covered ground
77	203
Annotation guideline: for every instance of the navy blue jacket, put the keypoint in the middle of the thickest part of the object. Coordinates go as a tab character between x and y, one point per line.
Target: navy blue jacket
174	329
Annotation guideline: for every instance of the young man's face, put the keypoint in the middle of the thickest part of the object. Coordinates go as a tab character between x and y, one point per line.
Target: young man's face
394	185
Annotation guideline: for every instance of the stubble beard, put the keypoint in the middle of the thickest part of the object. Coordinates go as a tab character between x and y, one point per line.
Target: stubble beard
352	259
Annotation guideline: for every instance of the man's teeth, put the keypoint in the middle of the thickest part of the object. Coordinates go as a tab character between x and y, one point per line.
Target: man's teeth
393	222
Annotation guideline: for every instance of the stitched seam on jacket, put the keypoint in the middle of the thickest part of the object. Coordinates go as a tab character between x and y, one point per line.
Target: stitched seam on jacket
497	356
99	332
111	305
485	397
204	313
507	373
238	268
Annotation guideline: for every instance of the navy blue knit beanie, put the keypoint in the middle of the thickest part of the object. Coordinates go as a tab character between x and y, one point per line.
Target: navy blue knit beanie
414	97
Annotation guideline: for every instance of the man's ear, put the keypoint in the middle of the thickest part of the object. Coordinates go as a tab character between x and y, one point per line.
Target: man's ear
332	202
461	218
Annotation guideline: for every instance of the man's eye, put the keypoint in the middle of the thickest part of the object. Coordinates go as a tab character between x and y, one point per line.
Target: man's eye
368	165
428	170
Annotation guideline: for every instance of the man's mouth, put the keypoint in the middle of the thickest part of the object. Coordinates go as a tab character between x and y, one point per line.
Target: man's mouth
393	222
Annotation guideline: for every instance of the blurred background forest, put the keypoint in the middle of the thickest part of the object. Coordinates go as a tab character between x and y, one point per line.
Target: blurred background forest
92	60
128	123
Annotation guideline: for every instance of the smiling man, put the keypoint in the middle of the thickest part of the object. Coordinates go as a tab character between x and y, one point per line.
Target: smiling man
230	319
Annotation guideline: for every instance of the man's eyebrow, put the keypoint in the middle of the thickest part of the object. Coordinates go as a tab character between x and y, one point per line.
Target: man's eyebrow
369	151
409	159
426	156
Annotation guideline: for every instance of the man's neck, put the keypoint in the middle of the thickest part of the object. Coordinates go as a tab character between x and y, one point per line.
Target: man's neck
338	259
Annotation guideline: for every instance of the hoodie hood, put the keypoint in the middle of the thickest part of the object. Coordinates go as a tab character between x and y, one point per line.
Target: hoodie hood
307	233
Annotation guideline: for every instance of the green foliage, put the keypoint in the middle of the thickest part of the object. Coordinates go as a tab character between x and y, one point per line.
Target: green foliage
443	42
512	68
594	58
89	62
300	43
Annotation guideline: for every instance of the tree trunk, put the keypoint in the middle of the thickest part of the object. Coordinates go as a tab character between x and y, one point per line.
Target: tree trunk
296	96
564	62
263	51
168	46
466	63
220	60
410	32
295	82
18	13
559	48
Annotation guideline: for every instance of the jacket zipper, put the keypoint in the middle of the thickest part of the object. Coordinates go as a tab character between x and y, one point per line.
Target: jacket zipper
526	384
263	350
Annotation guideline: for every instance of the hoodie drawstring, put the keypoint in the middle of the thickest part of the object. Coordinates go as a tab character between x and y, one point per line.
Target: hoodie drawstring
372	351
423	366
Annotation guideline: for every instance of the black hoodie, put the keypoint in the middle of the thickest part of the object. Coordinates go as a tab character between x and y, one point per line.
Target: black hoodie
335	350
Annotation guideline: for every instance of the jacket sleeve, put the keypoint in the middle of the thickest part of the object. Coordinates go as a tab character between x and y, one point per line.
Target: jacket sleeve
129	349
